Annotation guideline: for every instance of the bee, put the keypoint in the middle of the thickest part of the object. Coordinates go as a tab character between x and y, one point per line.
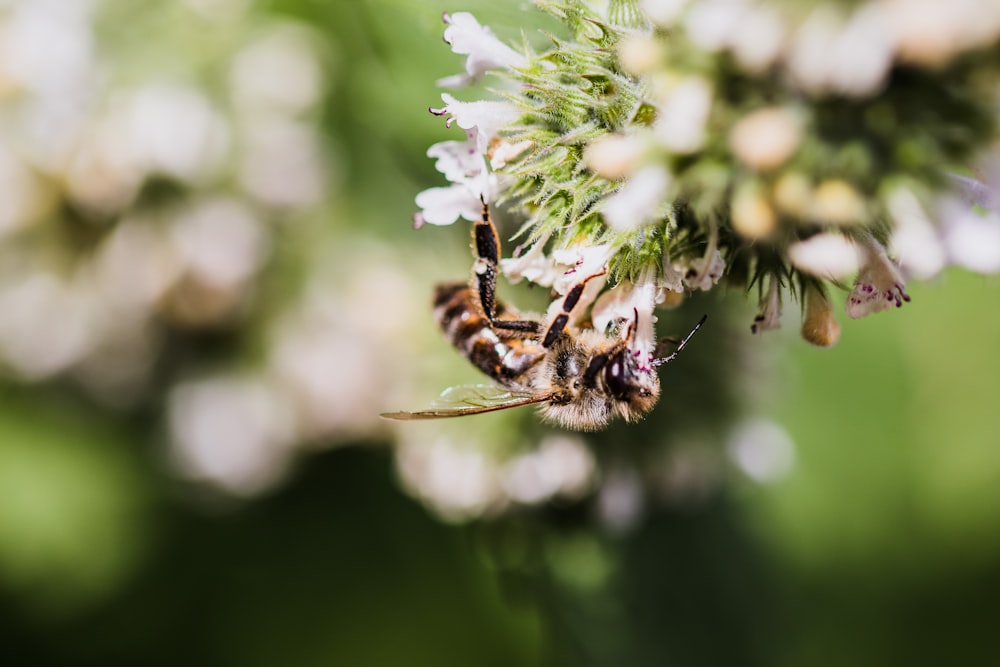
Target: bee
580	378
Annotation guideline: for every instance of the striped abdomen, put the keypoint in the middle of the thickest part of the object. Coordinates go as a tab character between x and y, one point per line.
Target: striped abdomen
505	359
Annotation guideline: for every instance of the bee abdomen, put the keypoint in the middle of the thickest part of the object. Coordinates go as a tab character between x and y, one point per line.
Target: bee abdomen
460	316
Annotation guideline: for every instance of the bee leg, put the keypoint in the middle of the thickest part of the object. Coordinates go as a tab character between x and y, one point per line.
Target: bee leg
486	243
572	298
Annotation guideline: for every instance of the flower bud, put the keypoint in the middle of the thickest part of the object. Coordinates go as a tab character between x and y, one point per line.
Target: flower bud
819	326
766	138
837	202
752	215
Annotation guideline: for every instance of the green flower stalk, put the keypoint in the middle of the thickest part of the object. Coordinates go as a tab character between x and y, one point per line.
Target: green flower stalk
781	148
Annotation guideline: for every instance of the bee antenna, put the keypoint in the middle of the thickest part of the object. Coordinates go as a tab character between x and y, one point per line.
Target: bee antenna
680	346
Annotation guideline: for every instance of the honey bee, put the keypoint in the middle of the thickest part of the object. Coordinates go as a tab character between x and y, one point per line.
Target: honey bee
581	378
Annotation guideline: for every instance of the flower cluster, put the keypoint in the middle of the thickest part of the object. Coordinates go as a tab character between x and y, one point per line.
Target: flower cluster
671	145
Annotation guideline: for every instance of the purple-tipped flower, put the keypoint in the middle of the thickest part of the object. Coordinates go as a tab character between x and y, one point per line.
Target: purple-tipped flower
879	285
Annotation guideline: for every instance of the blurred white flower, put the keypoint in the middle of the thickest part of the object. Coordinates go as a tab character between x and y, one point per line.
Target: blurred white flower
48	46
562	466
175	131
761	449
711	24
458	480
233	432
837	202
639	201
135	264
614	156
47	324
915	239
680	127
219	245
827	255
976	193
664	12
766	138
863	52
930	32
25	198
220	241
467	37
760	40
277	72
334	355
620	503
971	237
281	162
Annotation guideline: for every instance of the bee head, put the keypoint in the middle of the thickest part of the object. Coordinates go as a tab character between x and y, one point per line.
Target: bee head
634	387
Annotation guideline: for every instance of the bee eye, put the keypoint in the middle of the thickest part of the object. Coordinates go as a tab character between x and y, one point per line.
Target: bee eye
616	381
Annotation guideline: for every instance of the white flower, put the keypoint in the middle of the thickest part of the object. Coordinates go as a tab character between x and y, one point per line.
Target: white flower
445	205
488	116
879	284
463	165
827	255
467	37
580	262
672	279
576	264
534	265
632	303
458	160
769	317
639	201
701	272
561	270
463	162
501	152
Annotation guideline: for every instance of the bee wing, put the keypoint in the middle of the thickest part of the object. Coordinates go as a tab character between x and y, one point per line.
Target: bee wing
471	399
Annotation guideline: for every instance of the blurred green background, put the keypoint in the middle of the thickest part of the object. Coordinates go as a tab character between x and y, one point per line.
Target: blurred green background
209	287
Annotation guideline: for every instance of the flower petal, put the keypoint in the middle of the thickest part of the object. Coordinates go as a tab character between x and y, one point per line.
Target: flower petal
485	51
443	206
